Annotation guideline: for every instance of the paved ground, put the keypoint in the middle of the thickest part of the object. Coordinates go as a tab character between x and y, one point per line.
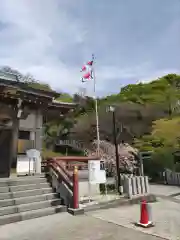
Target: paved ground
164	190
66	227
165	214
113	224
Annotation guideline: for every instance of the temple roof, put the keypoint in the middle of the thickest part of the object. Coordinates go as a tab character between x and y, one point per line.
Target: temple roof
10	81
11	88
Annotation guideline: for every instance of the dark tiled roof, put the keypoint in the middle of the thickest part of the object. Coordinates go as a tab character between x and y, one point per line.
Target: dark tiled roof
24	87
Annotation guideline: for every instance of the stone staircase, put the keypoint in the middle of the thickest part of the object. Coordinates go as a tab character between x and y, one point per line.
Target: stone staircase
23	198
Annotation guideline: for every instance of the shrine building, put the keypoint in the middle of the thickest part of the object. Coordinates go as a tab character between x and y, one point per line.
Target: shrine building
23	110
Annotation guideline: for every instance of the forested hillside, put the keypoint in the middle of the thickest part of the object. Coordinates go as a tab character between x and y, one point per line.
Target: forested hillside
137	106
147	117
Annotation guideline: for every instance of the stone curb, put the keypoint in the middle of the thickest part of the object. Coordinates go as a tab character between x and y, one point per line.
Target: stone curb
75	212
120	202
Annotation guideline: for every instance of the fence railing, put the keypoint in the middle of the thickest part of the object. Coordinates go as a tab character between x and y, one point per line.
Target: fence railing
61	181
75	144
80	166
136	186
172	178
71	143
108	148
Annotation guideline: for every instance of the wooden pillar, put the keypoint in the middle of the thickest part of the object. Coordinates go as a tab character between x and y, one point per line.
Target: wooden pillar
14	142
38	131
38	138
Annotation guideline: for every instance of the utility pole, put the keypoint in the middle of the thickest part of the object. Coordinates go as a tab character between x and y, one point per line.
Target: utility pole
119	187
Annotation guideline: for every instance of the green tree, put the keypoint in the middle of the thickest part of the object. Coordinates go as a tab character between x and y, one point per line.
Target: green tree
65	97
26	78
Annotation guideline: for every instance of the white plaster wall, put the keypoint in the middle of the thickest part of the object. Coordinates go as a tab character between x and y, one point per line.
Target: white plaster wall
29	122
84	189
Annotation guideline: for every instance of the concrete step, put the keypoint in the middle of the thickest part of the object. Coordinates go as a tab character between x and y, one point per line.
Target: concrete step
32	192
23	187
29	187
4	189
29	206
5	182
11	218
29	199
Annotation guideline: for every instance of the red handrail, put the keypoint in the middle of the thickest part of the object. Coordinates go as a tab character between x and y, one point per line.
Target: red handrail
59	164
71	181
76	158
61	173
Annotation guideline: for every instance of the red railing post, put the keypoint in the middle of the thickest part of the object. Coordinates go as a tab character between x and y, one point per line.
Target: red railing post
75	189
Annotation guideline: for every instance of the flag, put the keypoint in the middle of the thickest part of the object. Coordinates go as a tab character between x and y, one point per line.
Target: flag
87	75
90	63
87	71
83	68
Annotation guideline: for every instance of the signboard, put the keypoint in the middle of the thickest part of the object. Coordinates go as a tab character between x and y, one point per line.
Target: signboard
35	156
96	175
30	163
24	165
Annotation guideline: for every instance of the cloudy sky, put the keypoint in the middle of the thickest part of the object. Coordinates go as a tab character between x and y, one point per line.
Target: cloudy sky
132	40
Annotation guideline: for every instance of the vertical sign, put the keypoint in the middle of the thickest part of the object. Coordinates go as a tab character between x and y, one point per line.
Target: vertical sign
96	175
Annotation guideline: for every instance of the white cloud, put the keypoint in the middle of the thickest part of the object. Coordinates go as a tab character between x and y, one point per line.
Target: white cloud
42	37
35	34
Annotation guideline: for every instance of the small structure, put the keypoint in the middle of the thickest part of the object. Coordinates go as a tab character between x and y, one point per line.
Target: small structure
88	180
23	110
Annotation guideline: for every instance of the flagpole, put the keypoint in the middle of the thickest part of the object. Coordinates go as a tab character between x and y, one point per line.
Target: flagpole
96	111
97	121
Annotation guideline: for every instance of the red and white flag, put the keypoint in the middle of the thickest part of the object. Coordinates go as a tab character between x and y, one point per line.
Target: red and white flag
87	71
